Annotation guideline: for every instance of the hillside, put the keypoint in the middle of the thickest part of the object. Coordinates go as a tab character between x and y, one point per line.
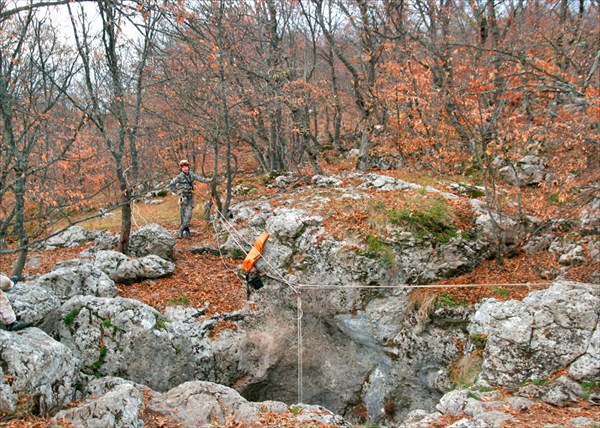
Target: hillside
211	282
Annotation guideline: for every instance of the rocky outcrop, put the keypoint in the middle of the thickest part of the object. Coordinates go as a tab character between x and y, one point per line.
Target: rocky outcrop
527	171
73	236
339	313
526	344
79	280
119	407
123	269
34	304
590	218
124	337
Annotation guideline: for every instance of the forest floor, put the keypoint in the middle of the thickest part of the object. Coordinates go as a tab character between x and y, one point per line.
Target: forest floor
211	282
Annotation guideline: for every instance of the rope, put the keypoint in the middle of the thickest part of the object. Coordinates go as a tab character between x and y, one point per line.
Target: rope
136	210
300	314
330	286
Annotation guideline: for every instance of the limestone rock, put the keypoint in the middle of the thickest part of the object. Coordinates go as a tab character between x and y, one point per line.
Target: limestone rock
152	239
84	279
118	408
40	367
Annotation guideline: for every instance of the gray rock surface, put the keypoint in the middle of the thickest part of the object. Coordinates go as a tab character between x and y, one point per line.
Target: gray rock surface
71	237
33	304
84	279
118	408
42	370
123	269
152	239
548	330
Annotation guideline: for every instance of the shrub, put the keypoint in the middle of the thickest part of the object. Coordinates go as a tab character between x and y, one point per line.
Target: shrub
422	301
465	369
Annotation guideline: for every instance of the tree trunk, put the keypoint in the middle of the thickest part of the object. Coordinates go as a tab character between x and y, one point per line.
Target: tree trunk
19	189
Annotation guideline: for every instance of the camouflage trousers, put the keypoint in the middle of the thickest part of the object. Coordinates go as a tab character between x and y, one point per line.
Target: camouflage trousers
186	209
7	315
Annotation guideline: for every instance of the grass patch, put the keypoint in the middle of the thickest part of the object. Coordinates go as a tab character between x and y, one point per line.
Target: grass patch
500	291
422	301
589	388
69	318
165	213
294	410
377	248
179	300
473	396
446	301
237	254
535	381
471	191
425	302
433	219
161	323
479	340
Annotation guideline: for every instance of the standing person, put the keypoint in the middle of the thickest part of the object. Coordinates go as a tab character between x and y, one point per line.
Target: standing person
7	315
183	185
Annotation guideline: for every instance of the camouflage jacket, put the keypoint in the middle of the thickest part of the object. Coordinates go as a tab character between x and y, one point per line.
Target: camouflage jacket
183	184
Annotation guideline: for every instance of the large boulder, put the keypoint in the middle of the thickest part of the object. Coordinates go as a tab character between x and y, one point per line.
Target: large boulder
119	407
33	304
152	239
126	338
147	267
84	279
590	218
123	269
531	339
73	236
527	171
288	224
42	372
114	402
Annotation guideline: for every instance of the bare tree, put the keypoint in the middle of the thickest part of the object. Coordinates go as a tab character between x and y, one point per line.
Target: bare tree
37	131
368	26
114	94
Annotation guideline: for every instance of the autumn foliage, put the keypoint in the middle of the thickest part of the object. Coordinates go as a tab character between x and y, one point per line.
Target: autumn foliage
94	121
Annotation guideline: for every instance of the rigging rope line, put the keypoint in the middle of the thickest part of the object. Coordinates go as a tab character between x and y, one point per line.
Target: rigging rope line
299	329
342	286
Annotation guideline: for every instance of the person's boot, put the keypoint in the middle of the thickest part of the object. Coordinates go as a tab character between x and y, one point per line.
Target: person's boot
188	233
17	325
180	233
